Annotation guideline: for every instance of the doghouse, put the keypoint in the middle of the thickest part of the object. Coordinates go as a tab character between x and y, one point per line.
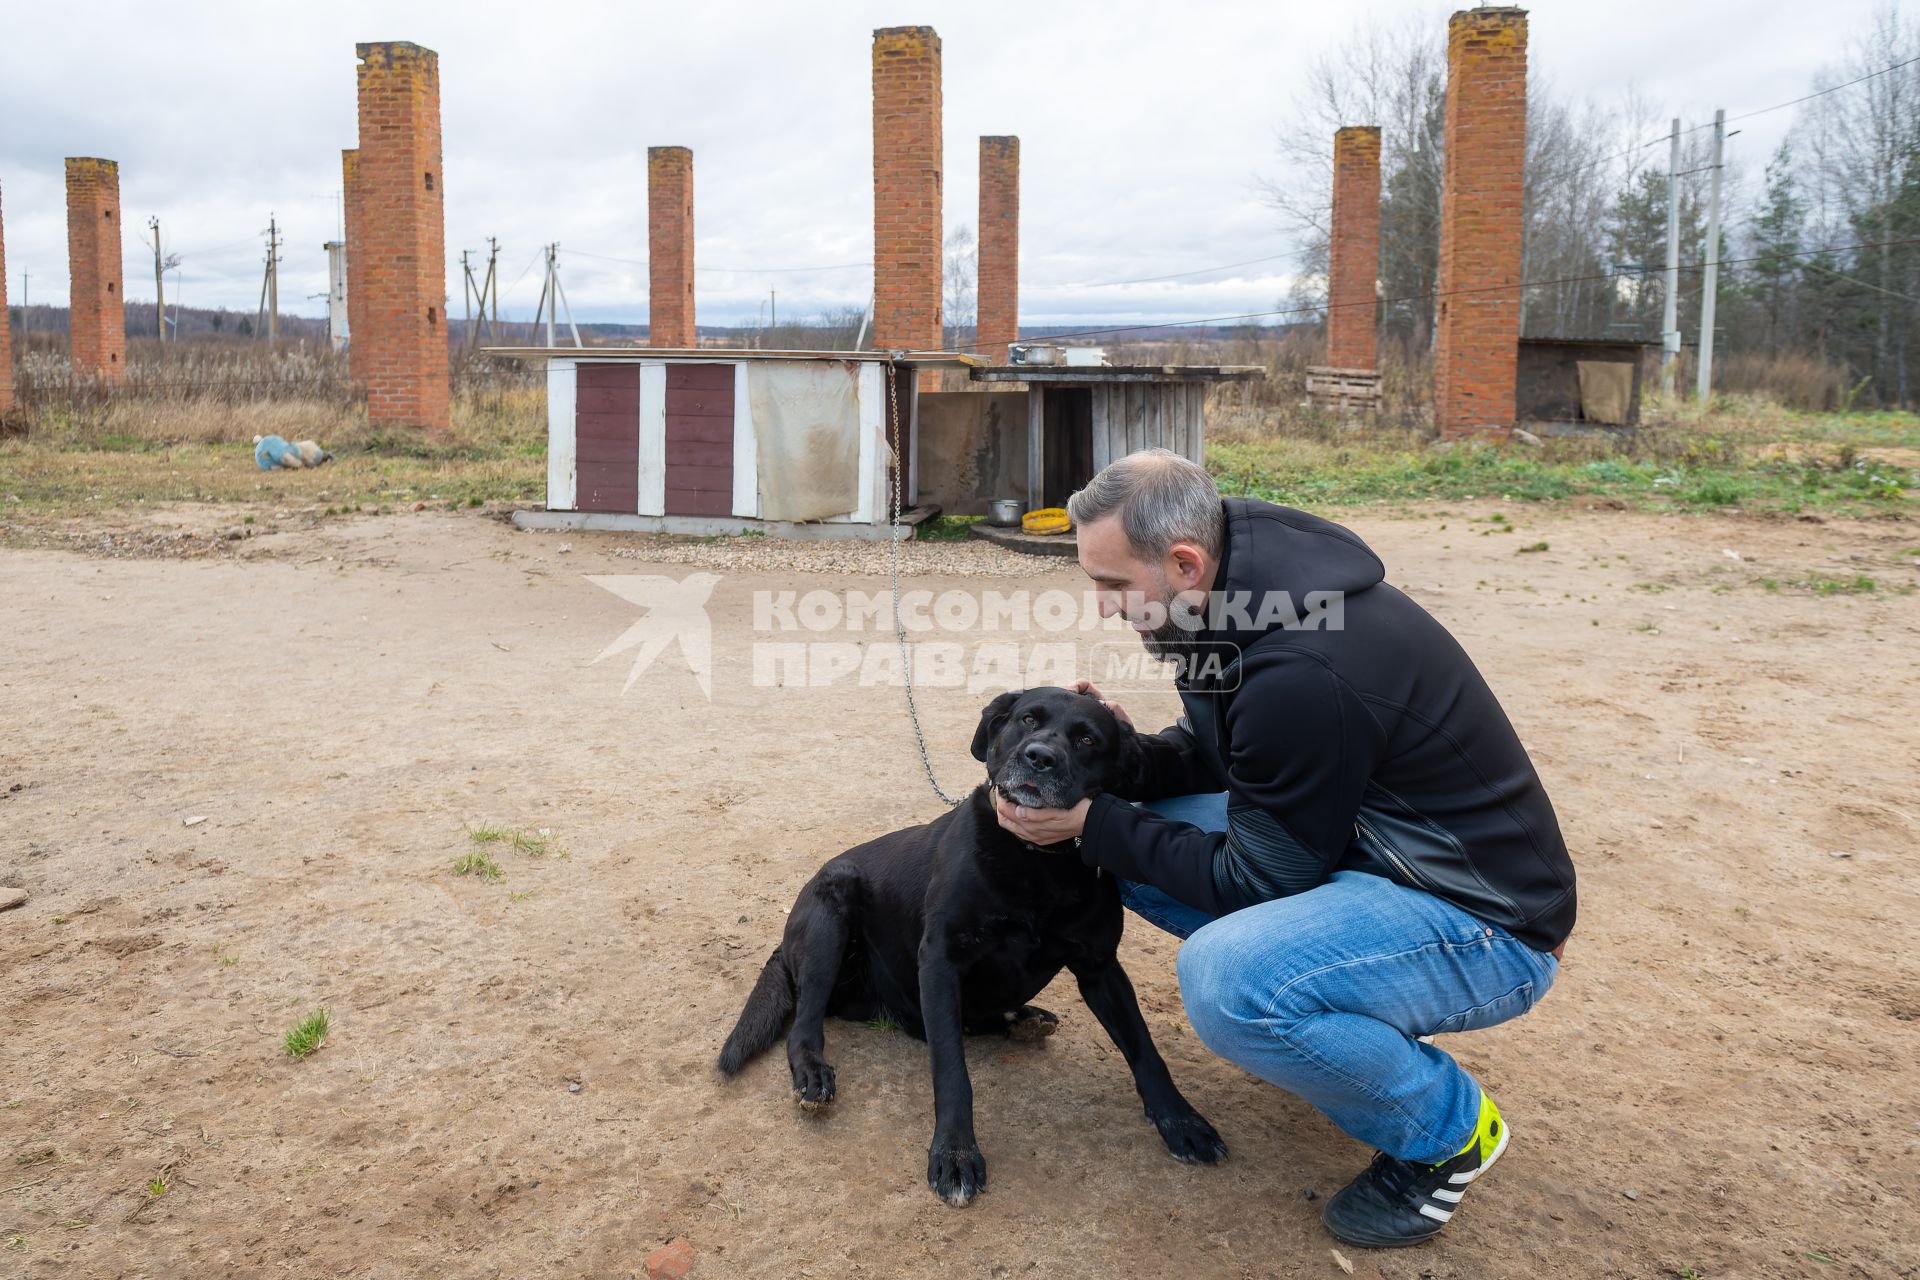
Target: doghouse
1037	433
706	441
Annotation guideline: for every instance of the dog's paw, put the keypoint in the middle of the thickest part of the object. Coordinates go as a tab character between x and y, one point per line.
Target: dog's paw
1028	1024
813	1085
1189	1138
956	1174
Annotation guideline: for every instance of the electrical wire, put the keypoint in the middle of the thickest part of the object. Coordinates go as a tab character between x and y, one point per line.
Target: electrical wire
1452	293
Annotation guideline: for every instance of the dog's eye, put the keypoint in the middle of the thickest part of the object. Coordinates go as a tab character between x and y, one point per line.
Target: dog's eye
1028	720
1086	740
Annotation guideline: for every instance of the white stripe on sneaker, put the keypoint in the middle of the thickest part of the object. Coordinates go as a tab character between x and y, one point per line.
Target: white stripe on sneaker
1451	1197
1499	1149
1439	1215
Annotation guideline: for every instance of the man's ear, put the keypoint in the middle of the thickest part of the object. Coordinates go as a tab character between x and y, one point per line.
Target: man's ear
991	719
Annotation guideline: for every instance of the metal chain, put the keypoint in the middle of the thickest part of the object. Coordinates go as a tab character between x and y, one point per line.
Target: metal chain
893	565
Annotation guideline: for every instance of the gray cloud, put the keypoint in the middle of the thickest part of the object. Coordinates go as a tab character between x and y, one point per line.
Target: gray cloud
1141	125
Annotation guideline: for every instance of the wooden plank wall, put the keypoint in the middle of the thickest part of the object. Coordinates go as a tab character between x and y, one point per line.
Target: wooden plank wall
699	430
1130	416
606	427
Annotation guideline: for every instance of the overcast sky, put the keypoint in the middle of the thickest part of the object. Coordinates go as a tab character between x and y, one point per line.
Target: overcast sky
1143	128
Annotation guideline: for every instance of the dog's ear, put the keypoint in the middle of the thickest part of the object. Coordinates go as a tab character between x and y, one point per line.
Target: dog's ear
1129	764
991	719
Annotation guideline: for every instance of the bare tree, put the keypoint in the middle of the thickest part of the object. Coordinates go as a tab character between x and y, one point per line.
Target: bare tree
961	270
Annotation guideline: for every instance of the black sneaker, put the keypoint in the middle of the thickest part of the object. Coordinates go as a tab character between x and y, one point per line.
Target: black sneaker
1396	1202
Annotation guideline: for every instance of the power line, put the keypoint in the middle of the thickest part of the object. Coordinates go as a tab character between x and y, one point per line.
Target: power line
699	270
1454	293
1174	275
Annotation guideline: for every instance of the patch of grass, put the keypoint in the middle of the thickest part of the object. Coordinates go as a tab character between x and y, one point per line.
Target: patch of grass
1534	546
945	528
16	1241
37	1153
306	1035
227	959
1858	584
487	833
884	1022
477	863
535	844
159	1186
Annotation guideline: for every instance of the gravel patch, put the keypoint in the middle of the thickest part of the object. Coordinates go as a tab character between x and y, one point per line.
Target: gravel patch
955	559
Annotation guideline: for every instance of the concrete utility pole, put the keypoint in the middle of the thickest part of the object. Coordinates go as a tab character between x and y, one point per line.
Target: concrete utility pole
553	298
1670	313
336	293
466	294
1712	283
270	285
159	283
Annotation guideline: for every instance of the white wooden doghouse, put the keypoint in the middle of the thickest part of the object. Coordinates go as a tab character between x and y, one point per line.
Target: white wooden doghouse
795	443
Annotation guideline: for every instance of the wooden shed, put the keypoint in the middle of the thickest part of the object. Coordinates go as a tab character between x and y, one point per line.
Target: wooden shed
1081	417
706	441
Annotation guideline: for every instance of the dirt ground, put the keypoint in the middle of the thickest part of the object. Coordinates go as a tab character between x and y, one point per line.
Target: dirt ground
1722	1082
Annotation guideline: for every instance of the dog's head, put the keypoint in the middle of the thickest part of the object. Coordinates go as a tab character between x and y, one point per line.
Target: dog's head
1051	748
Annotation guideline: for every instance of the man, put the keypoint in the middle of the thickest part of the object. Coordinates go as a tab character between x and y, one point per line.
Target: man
1349	834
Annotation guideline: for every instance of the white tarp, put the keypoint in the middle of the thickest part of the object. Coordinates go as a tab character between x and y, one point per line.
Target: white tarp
806	425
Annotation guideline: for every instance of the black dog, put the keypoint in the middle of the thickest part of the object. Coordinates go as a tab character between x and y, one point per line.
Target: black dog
952	927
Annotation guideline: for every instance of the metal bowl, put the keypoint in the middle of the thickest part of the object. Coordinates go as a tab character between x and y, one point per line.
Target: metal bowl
1005	512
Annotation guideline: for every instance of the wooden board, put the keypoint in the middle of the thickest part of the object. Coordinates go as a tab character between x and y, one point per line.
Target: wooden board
699	439
606	426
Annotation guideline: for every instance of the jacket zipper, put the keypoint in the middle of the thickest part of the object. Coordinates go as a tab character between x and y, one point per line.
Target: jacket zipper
1391	854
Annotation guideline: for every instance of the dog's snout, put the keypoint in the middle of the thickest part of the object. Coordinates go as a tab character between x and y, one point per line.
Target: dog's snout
1039	756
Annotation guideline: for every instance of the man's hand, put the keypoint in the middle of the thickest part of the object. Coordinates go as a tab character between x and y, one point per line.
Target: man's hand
1086	687
1041	826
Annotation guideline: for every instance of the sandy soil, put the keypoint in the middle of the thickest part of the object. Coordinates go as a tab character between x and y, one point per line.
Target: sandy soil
1721	1084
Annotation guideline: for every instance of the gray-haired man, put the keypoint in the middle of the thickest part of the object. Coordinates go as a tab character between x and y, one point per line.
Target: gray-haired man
1344	827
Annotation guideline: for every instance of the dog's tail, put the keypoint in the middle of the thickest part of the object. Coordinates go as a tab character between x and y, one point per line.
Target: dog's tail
765	1016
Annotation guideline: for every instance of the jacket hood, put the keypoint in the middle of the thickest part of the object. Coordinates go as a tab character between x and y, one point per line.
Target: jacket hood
1279	562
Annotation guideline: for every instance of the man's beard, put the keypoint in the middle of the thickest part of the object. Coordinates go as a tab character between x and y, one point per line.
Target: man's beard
1178	635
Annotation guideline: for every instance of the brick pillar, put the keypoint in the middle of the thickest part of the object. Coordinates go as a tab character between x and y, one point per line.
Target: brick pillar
401	327
98	305
997	290
906	192
670	321
356	283
6	332
1476	349
1353	269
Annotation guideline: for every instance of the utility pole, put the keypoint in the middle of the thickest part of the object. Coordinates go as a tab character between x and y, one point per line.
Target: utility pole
553	298
492	287
159	282
336	293
466	295
270	285
1670	313
773	304
1712	283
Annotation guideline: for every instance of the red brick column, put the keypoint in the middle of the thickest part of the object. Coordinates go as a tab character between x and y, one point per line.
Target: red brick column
98	304
1353	268
356	282
998	284
401	329
1476	351
6	333
670	321
906	191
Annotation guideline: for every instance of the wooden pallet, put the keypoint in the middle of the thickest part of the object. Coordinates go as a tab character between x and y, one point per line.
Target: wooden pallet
1343	390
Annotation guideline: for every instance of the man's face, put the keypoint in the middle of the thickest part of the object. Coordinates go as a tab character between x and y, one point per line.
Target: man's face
1144	592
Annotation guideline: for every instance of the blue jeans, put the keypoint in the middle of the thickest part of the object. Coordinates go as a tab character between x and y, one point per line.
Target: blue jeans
1325	993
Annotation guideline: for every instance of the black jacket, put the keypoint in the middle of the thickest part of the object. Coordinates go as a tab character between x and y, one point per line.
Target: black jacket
1376	747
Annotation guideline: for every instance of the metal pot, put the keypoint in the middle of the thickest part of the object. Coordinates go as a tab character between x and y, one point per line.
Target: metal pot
1005	512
